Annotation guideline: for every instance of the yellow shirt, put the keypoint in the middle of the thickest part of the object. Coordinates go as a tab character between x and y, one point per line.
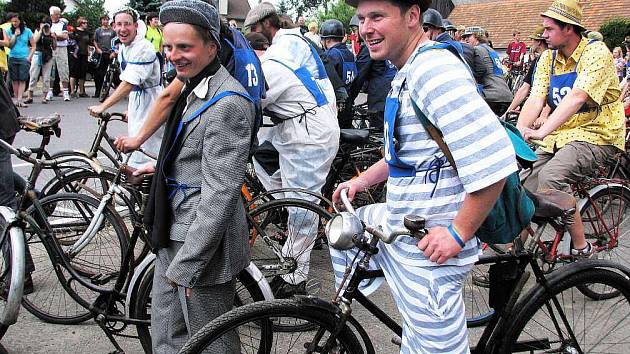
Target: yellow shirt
4	66
154	35
605	123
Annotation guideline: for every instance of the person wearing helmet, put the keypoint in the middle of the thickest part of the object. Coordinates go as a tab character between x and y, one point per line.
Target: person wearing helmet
488	72
449	27
426	277
432	23
354	37
333	37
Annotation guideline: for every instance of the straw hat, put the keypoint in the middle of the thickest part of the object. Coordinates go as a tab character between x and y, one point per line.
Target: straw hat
537	35
567	11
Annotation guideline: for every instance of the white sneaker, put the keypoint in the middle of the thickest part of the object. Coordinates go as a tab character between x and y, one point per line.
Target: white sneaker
66	96
49	96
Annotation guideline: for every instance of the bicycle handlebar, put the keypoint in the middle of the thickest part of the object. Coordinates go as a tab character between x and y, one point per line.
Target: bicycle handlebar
109	116
25	153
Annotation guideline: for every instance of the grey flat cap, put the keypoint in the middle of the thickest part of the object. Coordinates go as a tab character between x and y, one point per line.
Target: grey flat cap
192	12
258	13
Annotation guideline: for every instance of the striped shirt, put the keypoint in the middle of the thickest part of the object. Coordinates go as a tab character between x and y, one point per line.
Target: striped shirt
445	91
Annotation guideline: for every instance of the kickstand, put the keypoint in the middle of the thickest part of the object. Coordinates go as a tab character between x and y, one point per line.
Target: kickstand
100	320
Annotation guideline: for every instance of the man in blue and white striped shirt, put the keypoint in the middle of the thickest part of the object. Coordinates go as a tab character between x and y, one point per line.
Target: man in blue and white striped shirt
426	277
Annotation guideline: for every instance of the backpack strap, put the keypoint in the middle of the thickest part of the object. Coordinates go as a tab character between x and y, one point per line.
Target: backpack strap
435	134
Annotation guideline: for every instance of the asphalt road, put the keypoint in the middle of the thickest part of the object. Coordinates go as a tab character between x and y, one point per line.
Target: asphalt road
30	335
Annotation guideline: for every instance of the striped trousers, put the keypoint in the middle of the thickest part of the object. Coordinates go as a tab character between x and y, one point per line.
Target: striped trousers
429	298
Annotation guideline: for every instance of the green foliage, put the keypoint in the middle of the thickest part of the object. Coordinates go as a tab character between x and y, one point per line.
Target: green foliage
145	6
92	10
283	6
614	31
339	11
302	7
31	11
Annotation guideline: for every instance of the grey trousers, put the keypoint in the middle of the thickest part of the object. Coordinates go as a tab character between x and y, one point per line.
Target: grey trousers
570	164
174	318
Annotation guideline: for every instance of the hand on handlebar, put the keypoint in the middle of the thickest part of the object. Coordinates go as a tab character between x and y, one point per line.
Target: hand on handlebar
96	111
127	143
438	245
354	186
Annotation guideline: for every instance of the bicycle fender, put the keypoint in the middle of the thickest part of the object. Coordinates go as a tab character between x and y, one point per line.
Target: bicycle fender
18	261
260	279
138	274
592	191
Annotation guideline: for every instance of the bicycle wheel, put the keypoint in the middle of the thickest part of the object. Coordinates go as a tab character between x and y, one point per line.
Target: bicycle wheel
247	291
11	274
107	83
476	294
290	228
251	328
58	297
80	181
599	326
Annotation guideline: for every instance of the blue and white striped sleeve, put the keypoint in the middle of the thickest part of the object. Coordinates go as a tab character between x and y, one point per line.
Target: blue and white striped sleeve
444	89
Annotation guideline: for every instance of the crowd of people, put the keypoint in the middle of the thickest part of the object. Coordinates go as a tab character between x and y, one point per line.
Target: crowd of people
203	126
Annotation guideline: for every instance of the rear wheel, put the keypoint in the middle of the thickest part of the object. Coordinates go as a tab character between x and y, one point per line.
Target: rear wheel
247	291
57	296
11	274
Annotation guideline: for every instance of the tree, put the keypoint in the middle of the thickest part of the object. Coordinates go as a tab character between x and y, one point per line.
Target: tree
614	31
92	10
303	7
339	11
32	11
145	6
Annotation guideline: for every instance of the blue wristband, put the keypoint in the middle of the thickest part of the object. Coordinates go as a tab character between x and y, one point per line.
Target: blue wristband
456	236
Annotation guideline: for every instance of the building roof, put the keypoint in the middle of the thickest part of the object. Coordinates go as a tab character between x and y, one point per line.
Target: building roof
501	18
238	9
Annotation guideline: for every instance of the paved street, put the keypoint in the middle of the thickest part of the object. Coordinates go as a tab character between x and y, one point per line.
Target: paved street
31	335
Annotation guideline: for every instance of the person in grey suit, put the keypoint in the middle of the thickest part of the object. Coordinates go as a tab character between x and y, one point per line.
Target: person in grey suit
195	216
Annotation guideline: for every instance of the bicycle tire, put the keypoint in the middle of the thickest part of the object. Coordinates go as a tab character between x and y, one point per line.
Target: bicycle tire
246	290
613	203
11	274
532	314
107	83
272	222
261	317
80	181
53	284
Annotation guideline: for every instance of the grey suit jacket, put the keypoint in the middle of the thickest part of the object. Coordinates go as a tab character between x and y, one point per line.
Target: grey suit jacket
210	221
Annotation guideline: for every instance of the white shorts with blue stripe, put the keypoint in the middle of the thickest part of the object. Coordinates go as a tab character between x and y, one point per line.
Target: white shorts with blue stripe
429	298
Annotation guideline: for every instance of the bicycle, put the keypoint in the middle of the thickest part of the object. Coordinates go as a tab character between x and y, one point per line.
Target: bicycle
12	268
111	79
516	325
115	297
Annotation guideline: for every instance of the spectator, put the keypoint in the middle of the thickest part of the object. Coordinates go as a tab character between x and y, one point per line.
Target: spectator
354	37
60	55
300	23
4	43
155	36
516	50
103	45
22	47
620	62
42	61
83	38
312	33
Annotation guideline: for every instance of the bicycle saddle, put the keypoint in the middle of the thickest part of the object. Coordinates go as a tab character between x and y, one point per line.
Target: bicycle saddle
355	136
129	177
42	125
551	203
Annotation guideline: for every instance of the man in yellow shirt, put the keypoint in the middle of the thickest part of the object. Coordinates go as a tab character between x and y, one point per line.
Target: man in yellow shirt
577	79
154	35
4	51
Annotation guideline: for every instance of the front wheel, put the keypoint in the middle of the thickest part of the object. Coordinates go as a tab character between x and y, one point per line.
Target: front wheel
592	326
250	329
11	273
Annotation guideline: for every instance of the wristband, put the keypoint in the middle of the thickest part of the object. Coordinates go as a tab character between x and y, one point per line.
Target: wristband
456	236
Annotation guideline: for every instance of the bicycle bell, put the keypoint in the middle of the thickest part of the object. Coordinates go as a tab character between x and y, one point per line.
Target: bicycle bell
341	230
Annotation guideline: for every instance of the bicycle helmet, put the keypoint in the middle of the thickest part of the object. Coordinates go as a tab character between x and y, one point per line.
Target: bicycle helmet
448	25
433	18
332	29
354	21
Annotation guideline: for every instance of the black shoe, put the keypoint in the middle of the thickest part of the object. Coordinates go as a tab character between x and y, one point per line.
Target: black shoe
283	290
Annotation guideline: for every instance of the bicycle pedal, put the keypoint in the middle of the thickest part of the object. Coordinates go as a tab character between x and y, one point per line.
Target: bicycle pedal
396	340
